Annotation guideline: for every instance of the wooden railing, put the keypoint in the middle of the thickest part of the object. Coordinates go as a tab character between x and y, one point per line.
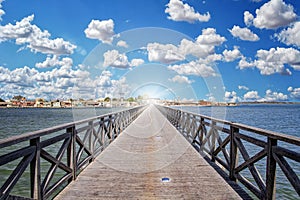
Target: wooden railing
51	158
243	152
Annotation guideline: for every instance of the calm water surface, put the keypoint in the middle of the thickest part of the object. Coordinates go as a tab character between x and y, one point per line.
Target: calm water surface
15	121
279	118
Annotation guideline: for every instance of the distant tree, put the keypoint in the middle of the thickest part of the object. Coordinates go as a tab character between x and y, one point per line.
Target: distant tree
107	99
130	99
140	97
18	97
114	99
1	100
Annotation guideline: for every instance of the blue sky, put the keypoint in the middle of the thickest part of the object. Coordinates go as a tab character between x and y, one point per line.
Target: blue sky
220	50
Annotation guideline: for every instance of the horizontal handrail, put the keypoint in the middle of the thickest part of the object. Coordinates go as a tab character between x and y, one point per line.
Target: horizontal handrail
67	148
225	143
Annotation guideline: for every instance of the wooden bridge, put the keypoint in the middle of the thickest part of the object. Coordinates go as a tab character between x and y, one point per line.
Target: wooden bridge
133	166
162	153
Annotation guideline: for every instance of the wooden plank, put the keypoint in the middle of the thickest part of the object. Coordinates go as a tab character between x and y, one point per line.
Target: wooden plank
132	167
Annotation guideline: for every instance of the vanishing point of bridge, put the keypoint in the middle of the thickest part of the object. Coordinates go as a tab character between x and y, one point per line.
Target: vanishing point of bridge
151	152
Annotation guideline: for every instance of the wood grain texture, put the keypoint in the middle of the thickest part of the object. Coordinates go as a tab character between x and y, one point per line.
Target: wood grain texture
134	164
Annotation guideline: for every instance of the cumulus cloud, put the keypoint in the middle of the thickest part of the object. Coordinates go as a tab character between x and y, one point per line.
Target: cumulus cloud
119	88
291	35
188	47
54	61
251	96
231	55
248	18
113	58
180	79
179	11
270	96
122	43
272	15
58	83
193	68
231	97
202	48
210	37
294	92
274	96
244	63
136	62
273	61
23	32
2	12
243	33
164	53
101	30
104	80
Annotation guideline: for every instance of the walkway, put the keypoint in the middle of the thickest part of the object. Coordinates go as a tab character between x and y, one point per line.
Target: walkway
133	166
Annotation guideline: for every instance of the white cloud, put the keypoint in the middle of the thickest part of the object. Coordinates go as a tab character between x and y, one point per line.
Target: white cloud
211	97
164	53
273	61
54	61
243	33
252	96
203	48
136	62
231	97
274	96
244	63
291	35
193	68
122	43
294	92
269	96
248	18
188	47
180	79
23	32
113	58
273	14
179	11
58	83
210	37
119	88
2	12
101	30
231	55
104	80
242	87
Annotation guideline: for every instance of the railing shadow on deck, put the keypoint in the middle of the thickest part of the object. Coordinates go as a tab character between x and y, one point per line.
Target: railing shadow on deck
241	151
52	158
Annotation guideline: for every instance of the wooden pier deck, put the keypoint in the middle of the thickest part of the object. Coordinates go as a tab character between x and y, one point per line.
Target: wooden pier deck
132	167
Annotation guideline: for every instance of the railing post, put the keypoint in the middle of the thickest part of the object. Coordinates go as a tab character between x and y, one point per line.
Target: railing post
91	144
271	170
71	152
35	170
233	153
213	141
110	128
